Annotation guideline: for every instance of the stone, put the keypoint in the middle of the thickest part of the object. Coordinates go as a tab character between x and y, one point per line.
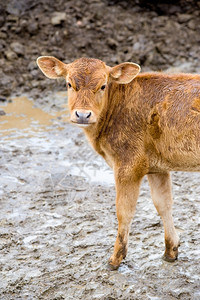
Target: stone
2	20
112	43
33	28
57	39
17	48
3	35
58	18
192	25
2	45
32	65
136	47
10	55
2	113
183	18
3	99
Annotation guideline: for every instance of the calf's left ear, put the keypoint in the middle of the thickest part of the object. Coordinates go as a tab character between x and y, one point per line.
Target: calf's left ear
52	67
125	72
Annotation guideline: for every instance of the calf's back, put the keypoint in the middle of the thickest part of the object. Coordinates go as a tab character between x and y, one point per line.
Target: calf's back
155	117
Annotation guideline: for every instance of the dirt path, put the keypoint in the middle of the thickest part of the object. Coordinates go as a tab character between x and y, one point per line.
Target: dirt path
58	222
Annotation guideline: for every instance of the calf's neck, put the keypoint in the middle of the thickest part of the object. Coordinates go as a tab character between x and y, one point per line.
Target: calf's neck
141	124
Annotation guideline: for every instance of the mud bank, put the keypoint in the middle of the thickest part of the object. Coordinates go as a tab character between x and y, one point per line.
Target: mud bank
58	222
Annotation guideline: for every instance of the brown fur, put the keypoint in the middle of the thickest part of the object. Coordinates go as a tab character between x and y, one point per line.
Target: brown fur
148	126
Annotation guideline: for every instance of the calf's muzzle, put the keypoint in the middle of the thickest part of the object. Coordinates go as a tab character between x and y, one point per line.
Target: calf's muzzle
83	117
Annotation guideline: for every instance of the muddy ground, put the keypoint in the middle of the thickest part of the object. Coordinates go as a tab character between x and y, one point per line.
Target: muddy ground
57	197
58	222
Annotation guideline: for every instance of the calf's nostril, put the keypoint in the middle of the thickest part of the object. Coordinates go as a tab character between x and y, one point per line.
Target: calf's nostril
89	114
76	113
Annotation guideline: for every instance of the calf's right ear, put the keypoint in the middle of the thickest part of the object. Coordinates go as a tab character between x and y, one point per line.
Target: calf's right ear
52	67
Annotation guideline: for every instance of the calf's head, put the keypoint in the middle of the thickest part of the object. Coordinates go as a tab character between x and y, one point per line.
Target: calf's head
87	81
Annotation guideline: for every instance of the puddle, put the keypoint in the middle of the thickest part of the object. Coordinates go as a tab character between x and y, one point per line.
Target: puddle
101	173
22	115
24	120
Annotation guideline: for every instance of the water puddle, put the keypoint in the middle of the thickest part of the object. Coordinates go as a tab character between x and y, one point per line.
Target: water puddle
101	173
22	120
21	115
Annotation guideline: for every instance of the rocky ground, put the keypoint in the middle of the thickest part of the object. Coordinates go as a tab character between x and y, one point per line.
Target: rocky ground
158	35
57	198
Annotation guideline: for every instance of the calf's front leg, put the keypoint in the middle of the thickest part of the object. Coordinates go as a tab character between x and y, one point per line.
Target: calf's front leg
160	185
127	194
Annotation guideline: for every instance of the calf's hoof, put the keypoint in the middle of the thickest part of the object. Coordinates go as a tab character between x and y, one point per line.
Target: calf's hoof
171	255
112	267
168	258
113	264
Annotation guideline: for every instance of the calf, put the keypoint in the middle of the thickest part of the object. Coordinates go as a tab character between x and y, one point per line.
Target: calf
142	124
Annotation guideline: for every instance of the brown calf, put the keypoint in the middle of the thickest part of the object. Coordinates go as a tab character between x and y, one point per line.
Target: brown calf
146	124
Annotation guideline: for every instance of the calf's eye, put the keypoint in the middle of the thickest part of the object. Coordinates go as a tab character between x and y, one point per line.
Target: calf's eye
69	85
103	87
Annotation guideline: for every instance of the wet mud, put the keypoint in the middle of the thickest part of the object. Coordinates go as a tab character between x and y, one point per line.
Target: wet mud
58	222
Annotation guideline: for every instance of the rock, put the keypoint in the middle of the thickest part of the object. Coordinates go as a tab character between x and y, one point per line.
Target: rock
33	28
80	24
136	47
6	84
10	55
186	67
192	25
98	9
2	20
69	29
3	35
2	45
3	99
2	113
58	18
57	39
17	7
35	73
65	33
32	66
23	23
183	18
12	19
2	64
34	83
112	43
17	48
5	79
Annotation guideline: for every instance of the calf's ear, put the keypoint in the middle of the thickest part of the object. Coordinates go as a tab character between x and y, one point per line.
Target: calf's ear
52	67
125	72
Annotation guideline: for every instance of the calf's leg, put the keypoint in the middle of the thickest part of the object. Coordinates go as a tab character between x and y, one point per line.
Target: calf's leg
160	185
126	199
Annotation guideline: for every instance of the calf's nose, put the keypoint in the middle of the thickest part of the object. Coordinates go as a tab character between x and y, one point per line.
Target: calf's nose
83	117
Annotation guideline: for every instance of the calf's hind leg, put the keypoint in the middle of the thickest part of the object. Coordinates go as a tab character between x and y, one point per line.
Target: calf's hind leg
160	184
